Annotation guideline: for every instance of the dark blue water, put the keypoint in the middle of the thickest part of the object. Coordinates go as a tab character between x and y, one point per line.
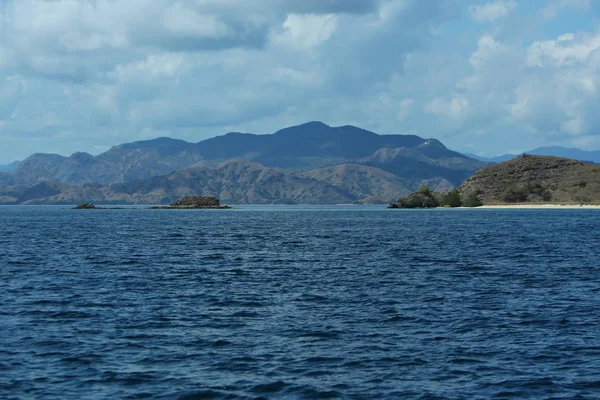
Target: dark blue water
299	303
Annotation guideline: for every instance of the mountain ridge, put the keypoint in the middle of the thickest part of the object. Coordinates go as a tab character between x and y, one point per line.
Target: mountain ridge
299	148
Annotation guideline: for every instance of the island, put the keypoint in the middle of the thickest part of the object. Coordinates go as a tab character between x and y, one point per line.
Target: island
195	202
526	180
85	206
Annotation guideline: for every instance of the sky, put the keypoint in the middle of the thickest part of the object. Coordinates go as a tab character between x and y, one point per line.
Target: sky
484	77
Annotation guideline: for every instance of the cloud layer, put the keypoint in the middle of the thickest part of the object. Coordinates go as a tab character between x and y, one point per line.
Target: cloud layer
87	74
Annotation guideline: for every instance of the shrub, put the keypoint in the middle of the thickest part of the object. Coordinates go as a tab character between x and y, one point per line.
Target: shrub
472	201
515	194
418	200
536	189
424	190
452	199
546	195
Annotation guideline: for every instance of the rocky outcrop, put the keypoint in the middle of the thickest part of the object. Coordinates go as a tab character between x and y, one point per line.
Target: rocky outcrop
423	198
85	206
535	179
196	202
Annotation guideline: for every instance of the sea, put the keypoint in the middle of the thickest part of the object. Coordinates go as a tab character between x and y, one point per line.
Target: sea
299	302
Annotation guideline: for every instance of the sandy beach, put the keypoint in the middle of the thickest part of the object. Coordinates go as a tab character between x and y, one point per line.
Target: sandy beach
543	206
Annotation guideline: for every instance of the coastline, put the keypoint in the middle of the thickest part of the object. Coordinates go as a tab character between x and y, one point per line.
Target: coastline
542	206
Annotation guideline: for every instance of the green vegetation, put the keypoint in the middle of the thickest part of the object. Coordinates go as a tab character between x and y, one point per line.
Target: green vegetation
515	194
472	201
451	199
522	193
422	198
425	198
424	190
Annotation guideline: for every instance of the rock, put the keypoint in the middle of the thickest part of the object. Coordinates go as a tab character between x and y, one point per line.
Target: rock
196	202
423	198
85	206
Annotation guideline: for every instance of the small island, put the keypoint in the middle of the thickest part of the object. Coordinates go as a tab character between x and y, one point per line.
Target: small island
526	180
84	206
195	202
425	198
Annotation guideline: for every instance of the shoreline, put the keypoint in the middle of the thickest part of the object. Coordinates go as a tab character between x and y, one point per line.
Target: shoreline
541	206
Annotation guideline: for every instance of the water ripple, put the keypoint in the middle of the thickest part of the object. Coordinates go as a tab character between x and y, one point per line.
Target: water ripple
299	303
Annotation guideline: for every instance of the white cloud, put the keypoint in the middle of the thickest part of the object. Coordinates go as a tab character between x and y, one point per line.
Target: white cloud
405	108
457	108
567	49
554	8
489	12
305	31
118	70
11	92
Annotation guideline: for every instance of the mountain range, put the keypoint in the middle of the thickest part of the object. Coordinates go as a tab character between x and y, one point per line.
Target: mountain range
309	163
300	148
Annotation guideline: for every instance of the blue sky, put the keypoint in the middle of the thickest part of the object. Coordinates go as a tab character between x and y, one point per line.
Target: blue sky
486	77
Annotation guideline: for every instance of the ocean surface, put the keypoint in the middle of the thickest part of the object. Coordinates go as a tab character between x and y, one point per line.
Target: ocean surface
299	303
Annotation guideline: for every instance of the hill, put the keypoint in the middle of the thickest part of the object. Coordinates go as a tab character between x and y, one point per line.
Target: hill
300	148
372	185
232	182
529	178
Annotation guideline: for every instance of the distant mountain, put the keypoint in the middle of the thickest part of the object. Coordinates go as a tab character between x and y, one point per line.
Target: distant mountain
237	181
372	185
10	167
6	179
531	178
232	182
430	159
556	151
121	164
566	152
497	159
299	148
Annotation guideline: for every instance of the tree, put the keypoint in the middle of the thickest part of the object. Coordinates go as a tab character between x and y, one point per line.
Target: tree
515	194
472	201
424	190
452	199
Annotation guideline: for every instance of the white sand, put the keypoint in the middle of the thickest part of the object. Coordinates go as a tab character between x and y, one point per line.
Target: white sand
545	206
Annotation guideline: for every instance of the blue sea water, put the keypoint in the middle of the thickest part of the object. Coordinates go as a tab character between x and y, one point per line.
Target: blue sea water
299	302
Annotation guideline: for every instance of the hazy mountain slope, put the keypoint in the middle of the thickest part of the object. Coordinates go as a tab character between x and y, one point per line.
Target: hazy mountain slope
497	159
429	160
362	181
556	151
232	182
536	178
10	167
10	194
303	147
566	152
82	168
6	179
237	181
